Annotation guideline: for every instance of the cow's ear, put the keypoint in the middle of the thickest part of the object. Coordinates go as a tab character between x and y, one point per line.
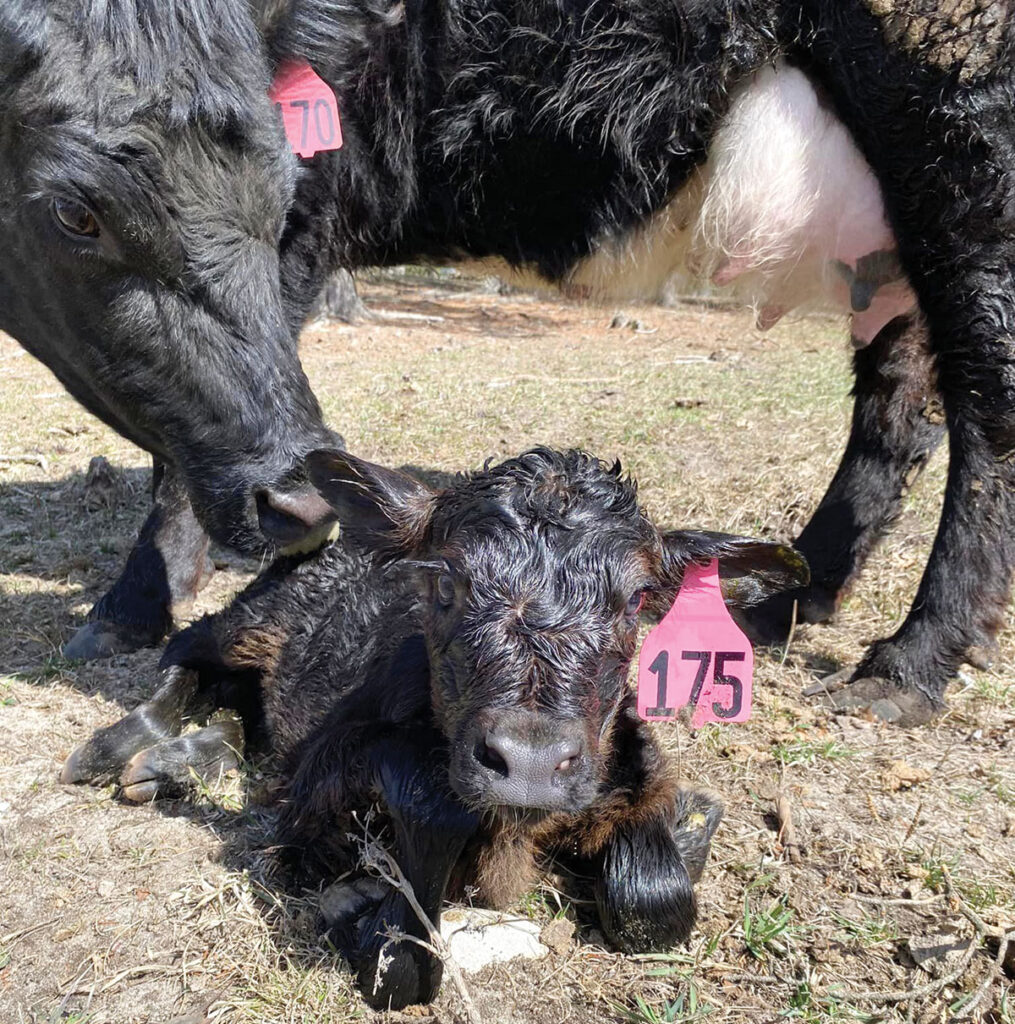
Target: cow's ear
379	508
750	570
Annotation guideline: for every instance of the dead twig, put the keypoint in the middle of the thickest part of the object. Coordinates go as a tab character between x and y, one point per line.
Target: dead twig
10	937
933	988
789	637
912	824
28	458
993	974
787	831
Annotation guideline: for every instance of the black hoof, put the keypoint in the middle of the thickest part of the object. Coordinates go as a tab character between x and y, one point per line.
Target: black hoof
102	758
698	816
906	707
345	906
770	622
172	767
399	977
100	639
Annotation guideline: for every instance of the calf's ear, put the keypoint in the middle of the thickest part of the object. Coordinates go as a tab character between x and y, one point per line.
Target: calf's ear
749	570
379	508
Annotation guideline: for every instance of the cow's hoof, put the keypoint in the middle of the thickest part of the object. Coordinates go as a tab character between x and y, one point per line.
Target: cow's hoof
771	622
172	767
100	639
907	707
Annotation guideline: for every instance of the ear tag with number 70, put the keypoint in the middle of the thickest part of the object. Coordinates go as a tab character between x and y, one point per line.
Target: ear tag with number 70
696	656
308	107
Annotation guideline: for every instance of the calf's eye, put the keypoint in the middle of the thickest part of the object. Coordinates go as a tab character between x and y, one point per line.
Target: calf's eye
634	603
445	589
74	218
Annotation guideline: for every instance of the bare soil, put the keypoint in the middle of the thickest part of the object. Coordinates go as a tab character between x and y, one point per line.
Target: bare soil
176	911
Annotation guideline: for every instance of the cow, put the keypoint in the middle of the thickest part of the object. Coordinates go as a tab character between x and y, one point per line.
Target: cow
859	149
144	185
459	659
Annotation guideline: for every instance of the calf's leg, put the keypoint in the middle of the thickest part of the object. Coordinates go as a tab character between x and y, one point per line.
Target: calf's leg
645	844
648	869
102	757
165	569
345	769
897	424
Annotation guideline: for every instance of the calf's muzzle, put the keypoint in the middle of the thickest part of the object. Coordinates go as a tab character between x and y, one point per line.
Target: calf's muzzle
528	760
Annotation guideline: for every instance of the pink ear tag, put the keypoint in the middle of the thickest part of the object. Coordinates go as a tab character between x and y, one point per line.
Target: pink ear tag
697	655
308	107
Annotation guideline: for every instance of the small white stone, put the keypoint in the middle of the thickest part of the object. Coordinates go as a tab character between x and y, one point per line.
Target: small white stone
477	938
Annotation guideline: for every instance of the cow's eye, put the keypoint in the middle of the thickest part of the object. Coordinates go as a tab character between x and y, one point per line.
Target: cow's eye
445	589
634	603
75	219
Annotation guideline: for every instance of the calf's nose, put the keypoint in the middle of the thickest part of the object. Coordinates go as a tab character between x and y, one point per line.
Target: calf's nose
526	771
290	516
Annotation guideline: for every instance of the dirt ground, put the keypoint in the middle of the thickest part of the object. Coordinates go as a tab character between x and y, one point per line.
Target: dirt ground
889	907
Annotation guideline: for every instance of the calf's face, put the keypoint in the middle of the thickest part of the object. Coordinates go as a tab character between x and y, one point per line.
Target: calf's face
144	183
531	578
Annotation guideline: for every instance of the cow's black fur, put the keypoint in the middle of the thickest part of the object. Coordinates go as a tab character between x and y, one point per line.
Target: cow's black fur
164	316
537	130
385	670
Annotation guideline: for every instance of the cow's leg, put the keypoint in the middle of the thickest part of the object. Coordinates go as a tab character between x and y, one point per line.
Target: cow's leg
944	155
961	601
897	425
165	569
344	769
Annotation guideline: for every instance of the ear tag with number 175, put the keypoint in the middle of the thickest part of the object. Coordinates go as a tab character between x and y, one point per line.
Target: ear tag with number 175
696	656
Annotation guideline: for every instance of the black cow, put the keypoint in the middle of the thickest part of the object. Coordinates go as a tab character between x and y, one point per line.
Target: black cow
551	134
468	673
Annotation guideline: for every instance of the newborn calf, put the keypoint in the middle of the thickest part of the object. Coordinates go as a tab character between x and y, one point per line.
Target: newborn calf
460	661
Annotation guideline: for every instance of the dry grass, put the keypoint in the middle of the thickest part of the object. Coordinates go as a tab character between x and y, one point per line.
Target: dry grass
120	914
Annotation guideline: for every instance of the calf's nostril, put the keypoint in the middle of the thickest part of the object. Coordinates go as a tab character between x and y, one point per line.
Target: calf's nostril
489	757
568	758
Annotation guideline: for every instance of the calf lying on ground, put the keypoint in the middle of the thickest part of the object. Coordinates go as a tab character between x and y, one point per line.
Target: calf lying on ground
468	673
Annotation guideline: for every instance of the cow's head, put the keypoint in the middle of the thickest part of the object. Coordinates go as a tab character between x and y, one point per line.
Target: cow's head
532	575
144	184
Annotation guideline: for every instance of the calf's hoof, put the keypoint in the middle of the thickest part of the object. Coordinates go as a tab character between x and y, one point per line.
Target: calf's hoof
172	767
345	906
399	976
100	639
100	759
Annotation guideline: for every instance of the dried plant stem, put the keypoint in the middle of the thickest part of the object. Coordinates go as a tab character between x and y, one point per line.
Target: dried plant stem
787	831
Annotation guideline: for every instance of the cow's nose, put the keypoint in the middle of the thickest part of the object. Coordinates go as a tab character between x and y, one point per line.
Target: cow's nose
289	516
530	772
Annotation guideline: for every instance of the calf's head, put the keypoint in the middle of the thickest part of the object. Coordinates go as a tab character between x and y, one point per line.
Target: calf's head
144	184
531	577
